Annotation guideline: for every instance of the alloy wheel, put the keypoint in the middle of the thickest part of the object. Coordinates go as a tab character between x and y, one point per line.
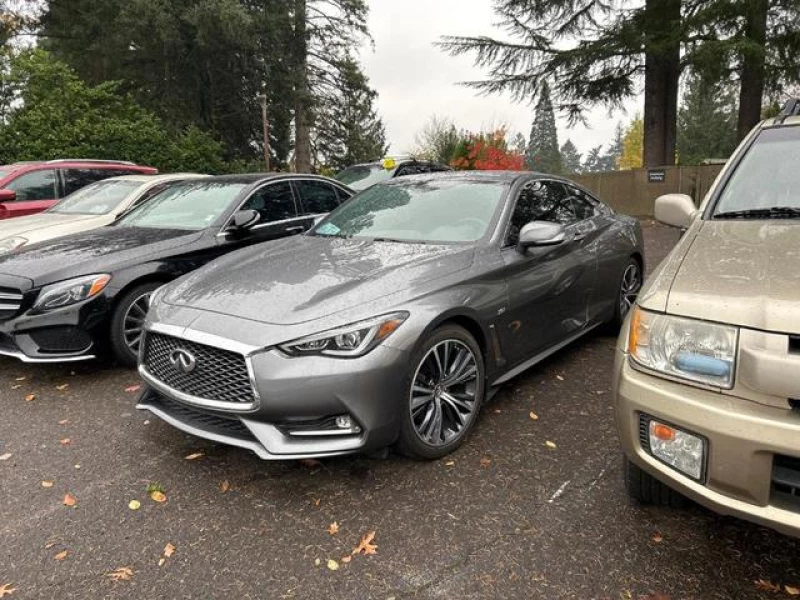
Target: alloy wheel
133	323
629	289
444	392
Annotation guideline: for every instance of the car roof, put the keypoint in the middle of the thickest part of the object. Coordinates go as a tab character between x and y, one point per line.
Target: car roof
498	176
156	178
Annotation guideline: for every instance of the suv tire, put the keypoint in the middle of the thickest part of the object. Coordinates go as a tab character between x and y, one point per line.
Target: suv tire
646	489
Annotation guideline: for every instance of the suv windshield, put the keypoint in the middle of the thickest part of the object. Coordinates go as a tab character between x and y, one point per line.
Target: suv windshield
436	211
96	199
193	206
361	177
766	183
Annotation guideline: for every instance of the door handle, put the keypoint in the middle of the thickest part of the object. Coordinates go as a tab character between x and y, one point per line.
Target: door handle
295	229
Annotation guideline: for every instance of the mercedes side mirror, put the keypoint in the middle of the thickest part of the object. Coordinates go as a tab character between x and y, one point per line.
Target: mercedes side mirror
245	219
541	233
677	210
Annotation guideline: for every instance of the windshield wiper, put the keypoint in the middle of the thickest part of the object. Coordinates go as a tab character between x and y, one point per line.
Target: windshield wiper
774	212
397	241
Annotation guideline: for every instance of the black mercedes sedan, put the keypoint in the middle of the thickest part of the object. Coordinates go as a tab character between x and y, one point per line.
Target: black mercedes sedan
86	295
392	320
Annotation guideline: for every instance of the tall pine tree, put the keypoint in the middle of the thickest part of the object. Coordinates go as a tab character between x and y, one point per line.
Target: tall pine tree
706	122
570	158
543	154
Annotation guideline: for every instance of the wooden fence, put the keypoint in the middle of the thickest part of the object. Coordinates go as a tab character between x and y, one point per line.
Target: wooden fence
634	192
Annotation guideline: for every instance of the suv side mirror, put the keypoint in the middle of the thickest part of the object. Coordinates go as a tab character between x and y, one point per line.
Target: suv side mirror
677	210
541	233
8	195
245	219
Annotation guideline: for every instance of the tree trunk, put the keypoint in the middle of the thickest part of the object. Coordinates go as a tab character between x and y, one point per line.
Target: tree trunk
662	73
302	99
751	91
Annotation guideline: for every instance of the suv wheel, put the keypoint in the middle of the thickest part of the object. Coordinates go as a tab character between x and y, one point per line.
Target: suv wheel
127	323
646	489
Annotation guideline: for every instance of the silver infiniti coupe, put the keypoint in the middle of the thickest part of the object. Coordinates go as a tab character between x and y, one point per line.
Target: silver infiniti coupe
392	320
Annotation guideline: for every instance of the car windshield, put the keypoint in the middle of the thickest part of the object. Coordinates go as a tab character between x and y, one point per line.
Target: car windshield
418	210
766	183
96	199
194	206
361	177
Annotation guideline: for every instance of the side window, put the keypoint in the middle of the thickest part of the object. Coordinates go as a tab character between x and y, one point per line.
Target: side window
343	195
540	201
413	169
316	197
584	206
274	202
75	179
37	185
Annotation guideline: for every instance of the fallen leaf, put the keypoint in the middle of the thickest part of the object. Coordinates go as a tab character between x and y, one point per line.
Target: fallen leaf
533	416
551	445
559	377
317	562
792	590
47	484
70	500
485	462
366	546
225	486
133	388
158	496
120	574
316	501
333	528
767	586
6	590
16	386
23	378
62	387
61	555
333	565
169	550
6	456
30	397
161	561
657	538
310	463
134	505
194	456
65	442
450	463
346	559
497	411
63	421
50	544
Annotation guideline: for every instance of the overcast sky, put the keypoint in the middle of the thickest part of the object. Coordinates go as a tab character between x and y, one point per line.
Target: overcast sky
416	80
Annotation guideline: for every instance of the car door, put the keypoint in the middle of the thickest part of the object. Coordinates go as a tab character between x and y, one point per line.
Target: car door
548	287
35	191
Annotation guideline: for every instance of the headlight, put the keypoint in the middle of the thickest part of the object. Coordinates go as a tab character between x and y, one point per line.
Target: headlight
685	348
12	243
350	341
71	291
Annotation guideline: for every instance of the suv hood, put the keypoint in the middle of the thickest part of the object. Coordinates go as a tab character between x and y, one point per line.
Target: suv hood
34	223
745	273
304	278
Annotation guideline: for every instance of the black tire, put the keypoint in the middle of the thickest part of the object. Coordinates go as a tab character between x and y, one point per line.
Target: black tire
621	308
410	441
646	489
119	344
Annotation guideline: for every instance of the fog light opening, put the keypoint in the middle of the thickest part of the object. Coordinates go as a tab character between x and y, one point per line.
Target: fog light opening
346	422
679	449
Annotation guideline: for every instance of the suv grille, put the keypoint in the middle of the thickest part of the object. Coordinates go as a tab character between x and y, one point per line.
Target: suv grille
10	302
219	375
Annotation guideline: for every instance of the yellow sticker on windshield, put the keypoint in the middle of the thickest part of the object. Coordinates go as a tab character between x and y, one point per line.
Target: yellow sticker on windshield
389	164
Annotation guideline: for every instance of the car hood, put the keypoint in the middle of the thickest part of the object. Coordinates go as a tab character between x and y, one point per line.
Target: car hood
745	273
103	250
305	278
25	226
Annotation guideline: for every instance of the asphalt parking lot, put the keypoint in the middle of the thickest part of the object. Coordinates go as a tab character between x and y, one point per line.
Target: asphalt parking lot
507	516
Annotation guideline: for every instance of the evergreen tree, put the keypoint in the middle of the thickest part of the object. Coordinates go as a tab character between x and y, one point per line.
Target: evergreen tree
610	160
706	122
570	158
593	160
543	154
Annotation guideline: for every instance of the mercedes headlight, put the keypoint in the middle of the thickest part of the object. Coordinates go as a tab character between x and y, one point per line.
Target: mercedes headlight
71	291
348	342
686	348
12	243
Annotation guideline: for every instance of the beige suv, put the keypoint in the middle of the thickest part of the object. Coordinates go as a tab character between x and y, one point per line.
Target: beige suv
707	373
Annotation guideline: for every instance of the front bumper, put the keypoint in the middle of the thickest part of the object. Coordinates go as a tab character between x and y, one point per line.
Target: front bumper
296	400
745	443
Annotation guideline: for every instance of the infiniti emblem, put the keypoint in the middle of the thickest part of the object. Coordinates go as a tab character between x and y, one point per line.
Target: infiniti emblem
183	361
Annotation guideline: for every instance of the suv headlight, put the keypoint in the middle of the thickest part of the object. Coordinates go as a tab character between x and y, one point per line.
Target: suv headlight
71	291
686	348
348	342
12	243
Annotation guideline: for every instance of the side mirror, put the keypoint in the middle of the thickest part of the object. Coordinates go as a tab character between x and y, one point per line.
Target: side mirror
677	210
541	233
8	195
245	219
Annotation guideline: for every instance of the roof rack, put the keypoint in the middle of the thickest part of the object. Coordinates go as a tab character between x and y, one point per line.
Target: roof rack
791	108
92	160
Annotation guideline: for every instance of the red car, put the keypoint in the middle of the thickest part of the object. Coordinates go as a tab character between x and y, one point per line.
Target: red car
31	187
